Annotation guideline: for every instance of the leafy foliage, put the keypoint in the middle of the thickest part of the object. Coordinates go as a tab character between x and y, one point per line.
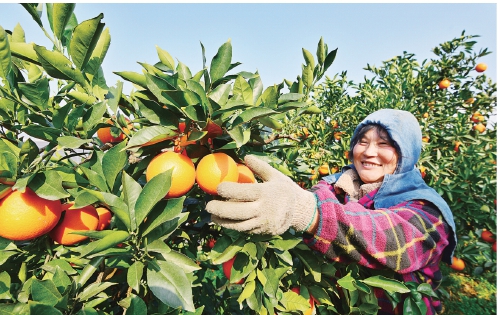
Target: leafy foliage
155	257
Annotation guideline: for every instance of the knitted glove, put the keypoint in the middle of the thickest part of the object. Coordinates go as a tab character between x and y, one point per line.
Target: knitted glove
270	207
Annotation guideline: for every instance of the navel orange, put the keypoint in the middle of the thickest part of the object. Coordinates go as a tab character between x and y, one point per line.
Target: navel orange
81	219
214	169
25	215
183	172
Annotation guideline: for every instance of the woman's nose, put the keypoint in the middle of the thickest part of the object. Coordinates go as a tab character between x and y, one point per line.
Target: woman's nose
371	149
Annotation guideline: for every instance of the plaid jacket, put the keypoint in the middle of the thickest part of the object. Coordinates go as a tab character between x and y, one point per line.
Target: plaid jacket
408	238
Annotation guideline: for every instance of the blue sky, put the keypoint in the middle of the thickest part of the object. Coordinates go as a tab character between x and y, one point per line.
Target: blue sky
269	37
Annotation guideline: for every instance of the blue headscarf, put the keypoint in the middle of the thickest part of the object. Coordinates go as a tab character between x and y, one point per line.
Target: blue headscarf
406	182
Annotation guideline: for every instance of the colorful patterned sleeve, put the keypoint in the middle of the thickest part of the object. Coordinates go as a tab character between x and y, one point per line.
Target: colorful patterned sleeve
404	238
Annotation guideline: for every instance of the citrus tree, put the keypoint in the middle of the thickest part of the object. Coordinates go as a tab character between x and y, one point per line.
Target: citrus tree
127	178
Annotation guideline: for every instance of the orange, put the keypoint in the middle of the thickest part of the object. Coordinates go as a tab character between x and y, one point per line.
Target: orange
226	268
81	219
337	135
104	134
426	139
183	172
25	215
458	264
245	175
487	236
445	83
214	169
426	115
480	127
104	218
480	67
324	169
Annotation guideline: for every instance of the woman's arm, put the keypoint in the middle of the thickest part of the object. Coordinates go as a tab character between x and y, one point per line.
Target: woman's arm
403	238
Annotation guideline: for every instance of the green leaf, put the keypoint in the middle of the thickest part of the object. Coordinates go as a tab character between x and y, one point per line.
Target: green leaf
163	212
329	59
252	113
43	133
387	284
134	77
108	241
8	164
14	309
35	10
134	275
308	57
113	162
320	51
48	185
42	309
154	190
94	178
97	56
307	75
61	14
5	56
114	95
45	291
240	135
63	265
111	201
88	271
24	51
248	291
94	289
131	191
243	90
70	142
58	66
165	58
221	61
37	93
426	289
347	282
94	115
230	251
182	261
5	283
153	134
84	40
137	306
169	284
61	280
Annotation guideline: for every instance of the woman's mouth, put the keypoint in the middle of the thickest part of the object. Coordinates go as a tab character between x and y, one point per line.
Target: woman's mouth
370	165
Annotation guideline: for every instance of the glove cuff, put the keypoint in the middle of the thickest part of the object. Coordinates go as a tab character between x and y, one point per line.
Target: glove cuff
305	211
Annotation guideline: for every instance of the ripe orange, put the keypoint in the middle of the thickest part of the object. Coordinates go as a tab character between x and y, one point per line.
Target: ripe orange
104	218
25	215
183	172
337	135
477	117
81	219
458	264
214	169
480	127
324	169
104	134
443	84
245	175
226	268
494	247
426	115
487	236
480	67
426	139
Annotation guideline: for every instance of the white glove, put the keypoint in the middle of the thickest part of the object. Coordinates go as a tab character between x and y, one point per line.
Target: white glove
271	207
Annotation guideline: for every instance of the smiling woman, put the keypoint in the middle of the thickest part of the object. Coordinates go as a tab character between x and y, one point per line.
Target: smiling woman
378	212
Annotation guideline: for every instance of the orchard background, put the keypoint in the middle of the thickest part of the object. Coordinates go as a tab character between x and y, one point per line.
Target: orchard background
164	256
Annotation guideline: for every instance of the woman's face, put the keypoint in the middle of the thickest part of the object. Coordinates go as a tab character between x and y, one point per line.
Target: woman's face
374	157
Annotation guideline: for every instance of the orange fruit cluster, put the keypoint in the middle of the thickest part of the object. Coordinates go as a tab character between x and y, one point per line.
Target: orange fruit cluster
211	170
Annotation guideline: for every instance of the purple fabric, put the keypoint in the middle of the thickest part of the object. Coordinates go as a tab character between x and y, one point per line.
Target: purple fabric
408	238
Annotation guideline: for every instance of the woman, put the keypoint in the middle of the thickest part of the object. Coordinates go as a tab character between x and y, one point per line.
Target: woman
377	212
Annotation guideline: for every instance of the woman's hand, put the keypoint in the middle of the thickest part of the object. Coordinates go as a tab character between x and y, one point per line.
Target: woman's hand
270	207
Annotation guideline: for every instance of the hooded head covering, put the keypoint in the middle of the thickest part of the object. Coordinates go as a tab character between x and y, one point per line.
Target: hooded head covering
406	182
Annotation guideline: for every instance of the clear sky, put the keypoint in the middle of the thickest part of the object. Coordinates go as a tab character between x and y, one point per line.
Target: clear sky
269	37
